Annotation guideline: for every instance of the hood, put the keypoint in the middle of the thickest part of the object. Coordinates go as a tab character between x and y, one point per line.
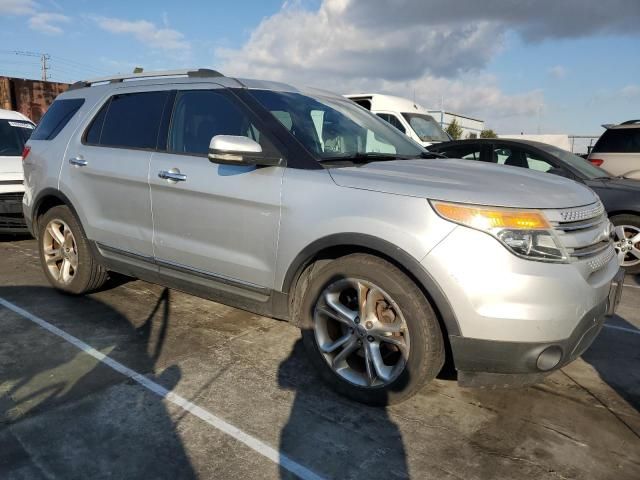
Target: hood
466	181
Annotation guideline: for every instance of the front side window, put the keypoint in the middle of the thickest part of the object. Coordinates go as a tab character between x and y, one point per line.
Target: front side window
13	135
56	118
393	120
333	128
200	115
427	129
129	120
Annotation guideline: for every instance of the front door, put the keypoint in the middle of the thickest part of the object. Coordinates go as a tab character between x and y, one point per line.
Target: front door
214	220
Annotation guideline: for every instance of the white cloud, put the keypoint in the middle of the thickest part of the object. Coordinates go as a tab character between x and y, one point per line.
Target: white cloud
48	23
146	32
558	72
17	7
630	91
327	48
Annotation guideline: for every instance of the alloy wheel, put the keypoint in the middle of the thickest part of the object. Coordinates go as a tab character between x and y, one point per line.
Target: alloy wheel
627	245
361	332
60	251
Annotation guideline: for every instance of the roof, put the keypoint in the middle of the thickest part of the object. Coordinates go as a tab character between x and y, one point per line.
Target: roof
391	103
11	115
510	141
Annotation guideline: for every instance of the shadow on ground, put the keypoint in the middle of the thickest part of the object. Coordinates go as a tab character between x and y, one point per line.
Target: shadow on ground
79	418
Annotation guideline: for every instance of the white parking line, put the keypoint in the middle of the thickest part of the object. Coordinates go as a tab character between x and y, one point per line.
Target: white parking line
623	329
216	422
630	286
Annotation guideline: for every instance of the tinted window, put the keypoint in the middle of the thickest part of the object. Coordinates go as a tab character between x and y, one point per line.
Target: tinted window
58	115
468	152
199	115
393	120
519	157
95	130
132	120
13	136
622	140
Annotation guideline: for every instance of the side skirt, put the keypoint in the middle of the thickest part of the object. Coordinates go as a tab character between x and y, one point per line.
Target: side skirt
252	298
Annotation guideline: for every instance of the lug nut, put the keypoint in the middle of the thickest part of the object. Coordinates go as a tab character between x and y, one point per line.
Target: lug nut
370	338
357	320
369	324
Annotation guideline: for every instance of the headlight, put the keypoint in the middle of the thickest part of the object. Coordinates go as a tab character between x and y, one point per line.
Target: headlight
527	233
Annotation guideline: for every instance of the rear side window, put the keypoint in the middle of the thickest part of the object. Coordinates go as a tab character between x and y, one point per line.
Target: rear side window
467	152
619	140
13	135
56	118
129	120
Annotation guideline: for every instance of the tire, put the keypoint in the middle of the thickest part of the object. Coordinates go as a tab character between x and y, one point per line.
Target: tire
631	226
83	273
392	303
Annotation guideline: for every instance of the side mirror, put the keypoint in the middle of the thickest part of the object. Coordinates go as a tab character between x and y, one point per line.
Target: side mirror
238	150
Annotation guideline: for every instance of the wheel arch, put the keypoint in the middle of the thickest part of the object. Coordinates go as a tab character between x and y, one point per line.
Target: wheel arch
337	245
47	199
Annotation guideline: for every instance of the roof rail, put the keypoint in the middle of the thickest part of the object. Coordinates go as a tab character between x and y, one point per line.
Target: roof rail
199	73
630	122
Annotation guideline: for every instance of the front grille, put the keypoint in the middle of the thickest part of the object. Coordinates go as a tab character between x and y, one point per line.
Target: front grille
584	232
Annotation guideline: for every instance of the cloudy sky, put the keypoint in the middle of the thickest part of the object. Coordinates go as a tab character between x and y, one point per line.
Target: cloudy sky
560	66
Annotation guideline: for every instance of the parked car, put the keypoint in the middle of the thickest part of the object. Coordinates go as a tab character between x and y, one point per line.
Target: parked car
404	114
300	205
620	196
618	150
15	129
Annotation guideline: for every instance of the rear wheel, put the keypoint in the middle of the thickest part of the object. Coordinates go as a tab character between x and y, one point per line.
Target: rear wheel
370	330
627	241
65	255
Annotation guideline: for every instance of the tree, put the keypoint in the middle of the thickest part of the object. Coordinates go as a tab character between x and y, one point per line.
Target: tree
488	133
454	130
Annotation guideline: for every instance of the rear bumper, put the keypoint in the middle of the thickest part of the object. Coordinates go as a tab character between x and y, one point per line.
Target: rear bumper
483	362
11	216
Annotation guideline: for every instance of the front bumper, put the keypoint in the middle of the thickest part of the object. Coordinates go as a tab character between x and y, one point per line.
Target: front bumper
11	216
518	319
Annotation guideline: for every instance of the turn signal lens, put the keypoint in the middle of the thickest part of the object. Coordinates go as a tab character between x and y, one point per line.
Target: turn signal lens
487	218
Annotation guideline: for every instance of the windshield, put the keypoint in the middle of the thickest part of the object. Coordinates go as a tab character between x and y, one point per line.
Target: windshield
13	135
587	169
333	128
426	127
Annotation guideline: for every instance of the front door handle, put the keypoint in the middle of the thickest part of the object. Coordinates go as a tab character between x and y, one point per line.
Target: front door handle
78	162
172	175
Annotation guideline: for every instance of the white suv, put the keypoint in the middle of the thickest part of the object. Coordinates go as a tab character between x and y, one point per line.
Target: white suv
618	150
15	130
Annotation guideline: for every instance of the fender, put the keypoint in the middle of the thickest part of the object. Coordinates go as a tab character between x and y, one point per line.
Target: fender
48	192
384	249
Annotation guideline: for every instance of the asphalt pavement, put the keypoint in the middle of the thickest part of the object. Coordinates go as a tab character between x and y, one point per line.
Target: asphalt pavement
139	381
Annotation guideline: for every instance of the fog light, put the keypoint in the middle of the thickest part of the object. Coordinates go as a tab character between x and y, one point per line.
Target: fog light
549	358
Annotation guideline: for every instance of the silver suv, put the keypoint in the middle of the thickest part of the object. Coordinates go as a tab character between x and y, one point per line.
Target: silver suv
303	206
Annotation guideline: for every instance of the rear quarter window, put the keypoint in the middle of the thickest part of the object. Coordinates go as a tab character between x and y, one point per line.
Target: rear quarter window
619	140
56	118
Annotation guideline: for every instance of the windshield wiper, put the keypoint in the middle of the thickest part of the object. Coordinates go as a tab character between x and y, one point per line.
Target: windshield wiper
362	157
430	154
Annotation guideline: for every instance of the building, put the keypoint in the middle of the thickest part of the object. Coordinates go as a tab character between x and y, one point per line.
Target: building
471	127
29	97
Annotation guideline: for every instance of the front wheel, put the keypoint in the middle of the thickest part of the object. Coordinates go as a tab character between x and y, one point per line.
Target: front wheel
627	241
370	330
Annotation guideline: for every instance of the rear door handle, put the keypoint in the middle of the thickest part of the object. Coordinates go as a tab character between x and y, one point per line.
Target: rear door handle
78	162
172	175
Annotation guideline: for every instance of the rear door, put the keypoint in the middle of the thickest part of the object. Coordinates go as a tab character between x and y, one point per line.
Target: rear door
106	169
221	221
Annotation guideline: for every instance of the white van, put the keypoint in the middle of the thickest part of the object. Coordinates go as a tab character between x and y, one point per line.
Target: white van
407	116
15	130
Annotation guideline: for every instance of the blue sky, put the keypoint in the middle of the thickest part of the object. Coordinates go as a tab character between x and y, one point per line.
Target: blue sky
561	67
